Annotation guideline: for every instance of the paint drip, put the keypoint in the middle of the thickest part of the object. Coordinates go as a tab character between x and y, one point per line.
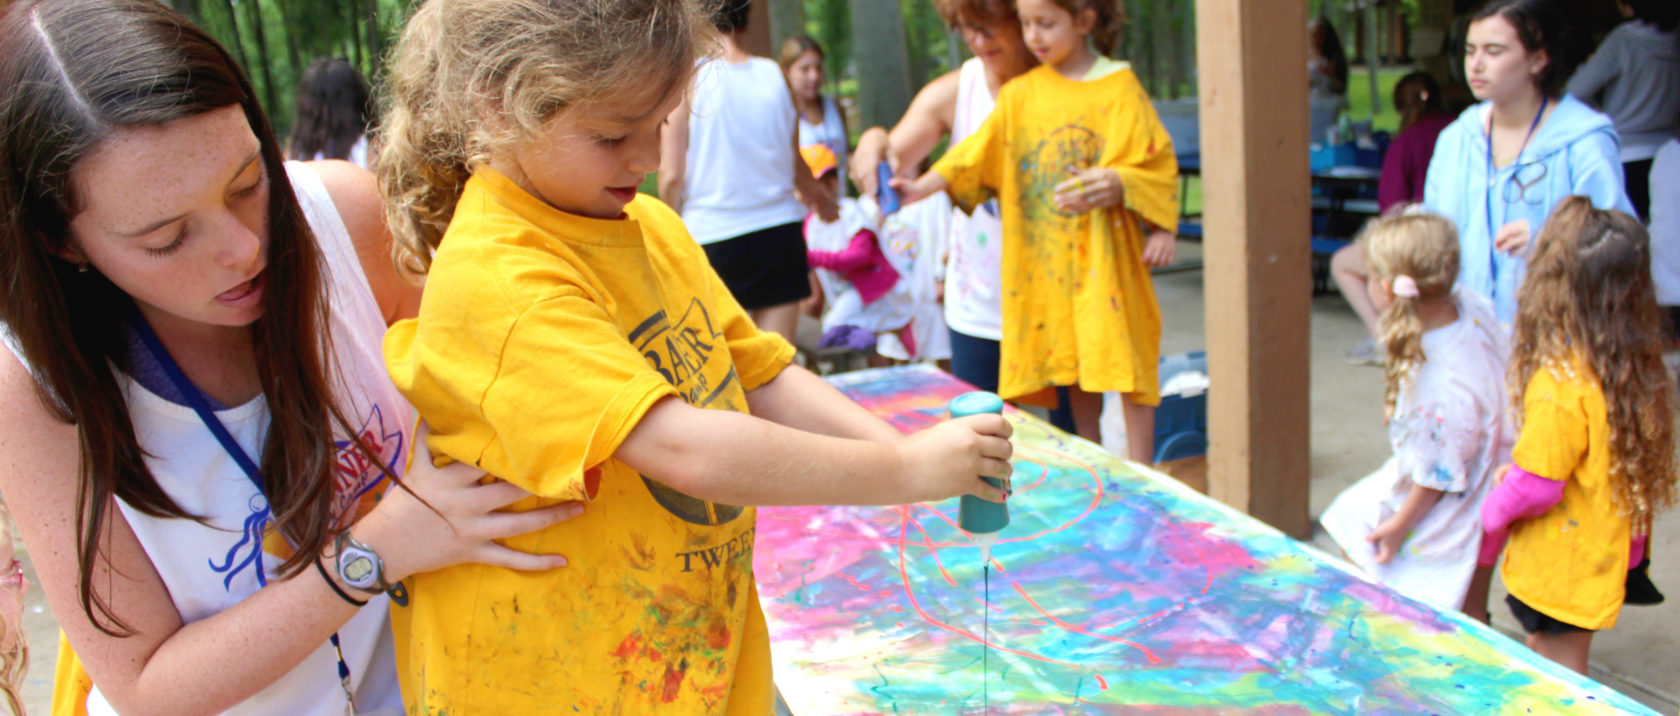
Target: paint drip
986	640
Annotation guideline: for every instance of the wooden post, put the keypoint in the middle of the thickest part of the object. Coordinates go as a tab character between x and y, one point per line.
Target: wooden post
1252	57
756	40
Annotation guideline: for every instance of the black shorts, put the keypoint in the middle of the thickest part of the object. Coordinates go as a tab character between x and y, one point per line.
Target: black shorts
1534	622
763	268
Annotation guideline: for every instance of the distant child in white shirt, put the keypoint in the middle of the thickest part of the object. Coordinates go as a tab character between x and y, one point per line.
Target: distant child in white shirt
864	292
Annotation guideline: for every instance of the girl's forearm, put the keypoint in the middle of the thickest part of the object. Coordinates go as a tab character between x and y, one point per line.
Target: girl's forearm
1418	502
799	399
738	459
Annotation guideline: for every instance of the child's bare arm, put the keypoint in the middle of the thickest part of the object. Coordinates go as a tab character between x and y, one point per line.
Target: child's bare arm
735	458
799	399
911	191
1389	536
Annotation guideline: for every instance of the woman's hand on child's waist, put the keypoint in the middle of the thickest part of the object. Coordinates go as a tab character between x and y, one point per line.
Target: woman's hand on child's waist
449	515
948	459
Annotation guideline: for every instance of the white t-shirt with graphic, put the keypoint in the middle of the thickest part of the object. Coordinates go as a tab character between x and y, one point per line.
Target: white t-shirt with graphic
209	567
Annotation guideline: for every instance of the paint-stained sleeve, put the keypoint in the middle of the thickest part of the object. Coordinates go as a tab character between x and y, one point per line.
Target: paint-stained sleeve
554	424
1138	148
1553	440
1438	442
974	167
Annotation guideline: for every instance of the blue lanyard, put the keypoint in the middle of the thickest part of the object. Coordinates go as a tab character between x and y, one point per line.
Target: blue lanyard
195	400
1493	260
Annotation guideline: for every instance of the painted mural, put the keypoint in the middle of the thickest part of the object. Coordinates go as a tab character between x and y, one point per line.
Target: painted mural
1114	589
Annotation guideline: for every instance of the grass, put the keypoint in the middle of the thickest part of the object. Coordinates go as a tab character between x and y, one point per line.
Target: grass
1359	96
1359	107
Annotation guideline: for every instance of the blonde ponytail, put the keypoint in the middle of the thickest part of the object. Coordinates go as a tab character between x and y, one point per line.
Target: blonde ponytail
1419	251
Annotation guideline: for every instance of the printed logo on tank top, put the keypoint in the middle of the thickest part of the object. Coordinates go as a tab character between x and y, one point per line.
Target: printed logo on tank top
683	352
355	478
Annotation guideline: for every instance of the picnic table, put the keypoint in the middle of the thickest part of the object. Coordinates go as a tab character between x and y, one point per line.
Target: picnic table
1114	589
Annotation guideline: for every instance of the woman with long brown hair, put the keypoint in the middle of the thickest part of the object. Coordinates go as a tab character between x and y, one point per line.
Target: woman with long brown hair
197	419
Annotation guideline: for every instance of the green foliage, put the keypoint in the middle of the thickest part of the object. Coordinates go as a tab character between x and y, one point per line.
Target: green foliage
276	40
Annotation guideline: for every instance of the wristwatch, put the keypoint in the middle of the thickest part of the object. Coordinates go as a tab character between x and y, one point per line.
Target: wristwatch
359	566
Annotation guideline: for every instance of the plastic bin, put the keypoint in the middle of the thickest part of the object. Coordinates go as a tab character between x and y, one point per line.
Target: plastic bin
1181	420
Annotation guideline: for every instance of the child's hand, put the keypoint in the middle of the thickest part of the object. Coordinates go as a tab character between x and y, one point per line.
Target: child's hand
949	459
911	191
870	151
1387	538
1161	248
1499	473
1512	238
1088	189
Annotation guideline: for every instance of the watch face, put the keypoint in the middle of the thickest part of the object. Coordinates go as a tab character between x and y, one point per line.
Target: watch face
357	569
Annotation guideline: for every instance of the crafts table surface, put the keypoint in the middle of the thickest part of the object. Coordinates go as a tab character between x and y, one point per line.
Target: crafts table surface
1114	589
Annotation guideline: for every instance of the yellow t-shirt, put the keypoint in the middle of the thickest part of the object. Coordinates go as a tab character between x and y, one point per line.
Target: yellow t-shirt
1078	304
1571	562
543	338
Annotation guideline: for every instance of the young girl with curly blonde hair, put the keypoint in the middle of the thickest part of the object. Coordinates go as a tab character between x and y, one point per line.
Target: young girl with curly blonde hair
1414	524
1595	456
573	340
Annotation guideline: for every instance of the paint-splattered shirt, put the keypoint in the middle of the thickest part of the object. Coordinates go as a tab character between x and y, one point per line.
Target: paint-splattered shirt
1078	304
542	340
1571	562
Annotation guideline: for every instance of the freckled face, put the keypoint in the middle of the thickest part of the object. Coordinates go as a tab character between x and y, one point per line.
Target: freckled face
176	216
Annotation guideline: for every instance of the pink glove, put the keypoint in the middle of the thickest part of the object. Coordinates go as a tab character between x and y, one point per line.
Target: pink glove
1520	495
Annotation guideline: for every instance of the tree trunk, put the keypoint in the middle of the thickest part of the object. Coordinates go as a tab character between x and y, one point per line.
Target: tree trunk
188	8
375	54
238	44
883	67
787	18
271	94
291	30
347	10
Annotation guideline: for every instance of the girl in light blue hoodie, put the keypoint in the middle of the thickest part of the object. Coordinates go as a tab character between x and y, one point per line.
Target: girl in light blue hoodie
1504	163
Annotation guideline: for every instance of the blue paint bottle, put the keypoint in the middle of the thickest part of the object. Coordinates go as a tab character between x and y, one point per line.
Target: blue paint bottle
981	519
885	196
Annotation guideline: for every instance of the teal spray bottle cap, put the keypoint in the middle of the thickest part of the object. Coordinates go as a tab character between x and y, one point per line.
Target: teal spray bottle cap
980	518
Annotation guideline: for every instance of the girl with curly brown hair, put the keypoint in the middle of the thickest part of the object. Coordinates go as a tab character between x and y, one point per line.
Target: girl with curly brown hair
1595	456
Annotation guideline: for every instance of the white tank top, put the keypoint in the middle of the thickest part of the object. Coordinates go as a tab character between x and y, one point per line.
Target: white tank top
831	133
973	301
739	177
212	566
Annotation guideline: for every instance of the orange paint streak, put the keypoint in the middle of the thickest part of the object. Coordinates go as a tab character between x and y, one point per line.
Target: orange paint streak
909	593
860	585
1147	654
927	539
1101	681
